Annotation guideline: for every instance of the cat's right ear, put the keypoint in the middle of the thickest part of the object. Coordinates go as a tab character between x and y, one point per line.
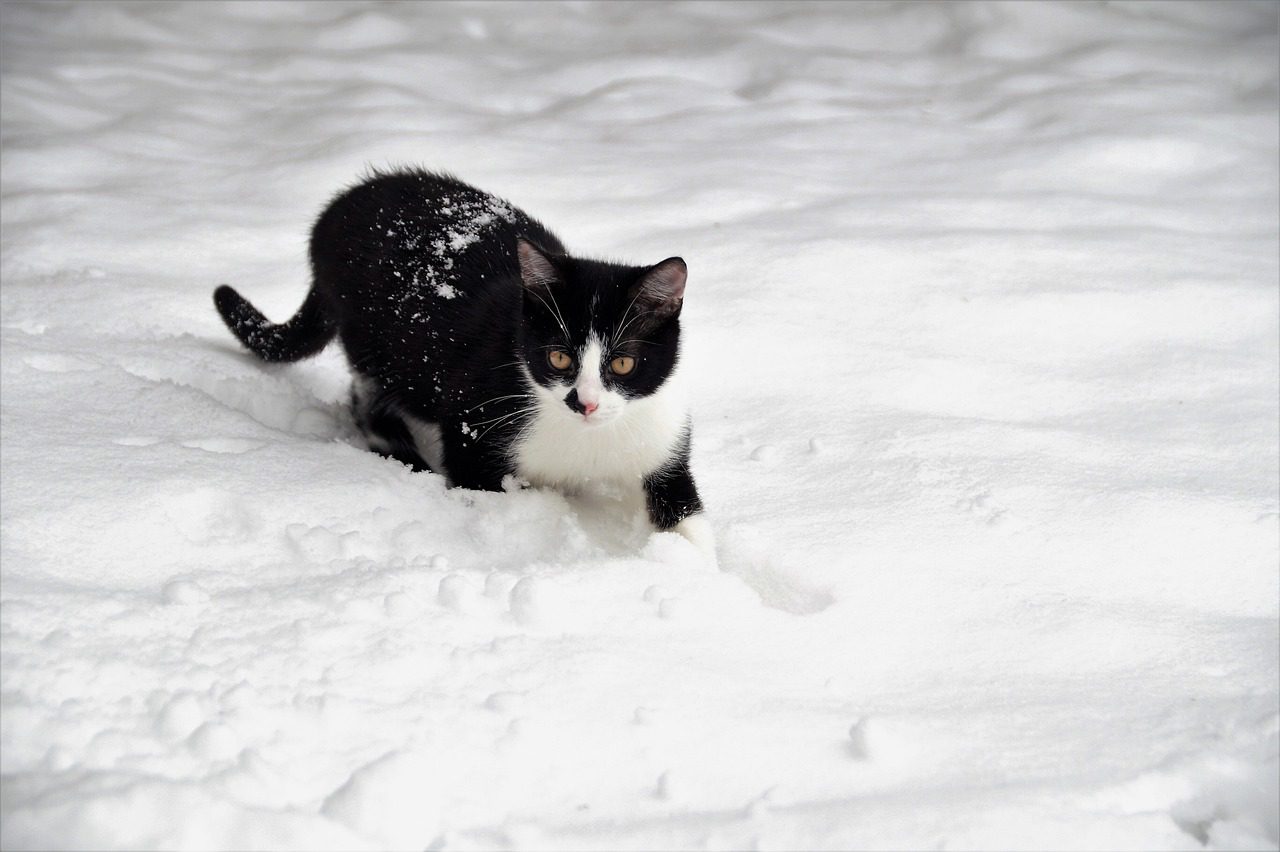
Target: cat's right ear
538	272
661	288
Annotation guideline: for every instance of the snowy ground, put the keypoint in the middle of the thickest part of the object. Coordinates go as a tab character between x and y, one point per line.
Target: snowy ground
983	327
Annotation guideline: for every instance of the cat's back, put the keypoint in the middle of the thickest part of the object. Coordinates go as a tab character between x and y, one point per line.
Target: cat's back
416	229
420	273
386	197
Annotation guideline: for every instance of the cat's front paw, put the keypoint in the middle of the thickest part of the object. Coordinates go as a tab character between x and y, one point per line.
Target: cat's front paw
512	483
697	529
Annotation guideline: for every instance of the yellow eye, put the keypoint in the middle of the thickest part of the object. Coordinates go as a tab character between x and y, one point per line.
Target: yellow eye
560	359
622	365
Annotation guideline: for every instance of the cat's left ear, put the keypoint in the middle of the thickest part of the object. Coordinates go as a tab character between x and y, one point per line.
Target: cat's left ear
537	271
661	288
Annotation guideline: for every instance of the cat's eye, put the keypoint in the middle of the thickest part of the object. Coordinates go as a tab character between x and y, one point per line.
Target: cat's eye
559	359
622	365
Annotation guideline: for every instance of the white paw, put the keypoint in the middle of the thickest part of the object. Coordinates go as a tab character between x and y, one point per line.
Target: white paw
697	529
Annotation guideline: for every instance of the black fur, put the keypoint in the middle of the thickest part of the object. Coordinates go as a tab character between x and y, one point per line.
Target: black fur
670	493
306	334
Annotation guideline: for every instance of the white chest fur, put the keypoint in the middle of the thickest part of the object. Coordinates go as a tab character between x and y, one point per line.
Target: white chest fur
558	449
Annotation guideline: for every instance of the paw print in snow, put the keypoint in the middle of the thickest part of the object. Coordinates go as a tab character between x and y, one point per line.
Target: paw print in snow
985	508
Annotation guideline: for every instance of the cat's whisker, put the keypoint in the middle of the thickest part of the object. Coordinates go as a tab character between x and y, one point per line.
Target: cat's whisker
499	417
555	312
512	417
559	316
496	399
622	326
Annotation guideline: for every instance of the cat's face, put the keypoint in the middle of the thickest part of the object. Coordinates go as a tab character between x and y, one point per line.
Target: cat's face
598	336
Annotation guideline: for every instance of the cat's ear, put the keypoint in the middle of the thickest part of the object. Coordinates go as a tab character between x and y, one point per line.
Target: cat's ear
660	289
537	271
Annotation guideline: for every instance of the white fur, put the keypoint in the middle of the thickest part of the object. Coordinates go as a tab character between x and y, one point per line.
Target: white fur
560	448
362	390
429	440
590	384
426	436
697	529
622	442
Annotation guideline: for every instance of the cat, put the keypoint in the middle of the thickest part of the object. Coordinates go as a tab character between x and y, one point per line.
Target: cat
481	350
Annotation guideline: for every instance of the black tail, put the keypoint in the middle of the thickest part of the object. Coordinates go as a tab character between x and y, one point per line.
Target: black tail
310	329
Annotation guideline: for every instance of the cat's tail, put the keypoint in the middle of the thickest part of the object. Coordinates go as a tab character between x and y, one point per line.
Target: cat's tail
309	331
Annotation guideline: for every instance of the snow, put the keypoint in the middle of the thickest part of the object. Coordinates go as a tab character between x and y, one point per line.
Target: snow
982	331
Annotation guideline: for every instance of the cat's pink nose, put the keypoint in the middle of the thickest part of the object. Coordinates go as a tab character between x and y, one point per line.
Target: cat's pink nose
578	405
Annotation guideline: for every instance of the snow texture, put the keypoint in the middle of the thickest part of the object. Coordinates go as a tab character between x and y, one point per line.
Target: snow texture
982	332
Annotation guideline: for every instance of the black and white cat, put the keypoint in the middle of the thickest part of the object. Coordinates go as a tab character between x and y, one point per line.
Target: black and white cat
481	350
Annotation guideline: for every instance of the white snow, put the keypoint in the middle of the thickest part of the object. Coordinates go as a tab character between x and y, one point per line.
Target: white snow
982	341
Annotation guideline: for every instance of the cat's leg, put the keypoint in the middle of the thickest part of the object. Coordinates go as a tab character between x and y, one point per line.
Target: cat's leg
472	463
673	503
385	431
427	440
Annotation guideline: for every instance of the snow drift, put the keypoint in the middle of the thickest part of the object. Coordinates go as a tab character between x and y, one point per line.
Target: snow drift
983	326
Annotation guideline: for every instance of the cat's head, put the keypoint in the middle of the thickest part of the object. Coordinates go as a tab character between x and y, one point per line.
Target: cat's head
597	336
